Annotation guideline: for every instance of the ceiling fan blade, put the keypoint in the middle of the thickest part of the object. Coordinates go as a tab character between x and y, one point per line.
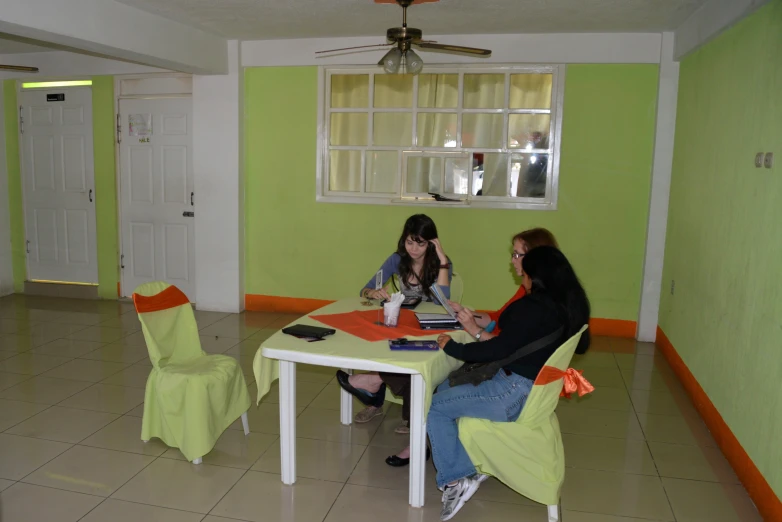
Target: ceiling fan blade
453	48
18	68
351	48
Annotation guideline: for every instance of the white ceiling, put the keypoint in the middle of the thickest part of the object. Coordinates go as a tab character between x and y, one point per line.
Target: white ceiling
279	19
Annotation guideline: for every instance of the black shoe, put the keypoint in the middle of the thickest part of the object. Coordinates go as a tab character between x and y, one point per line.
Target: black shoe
368	399
399	462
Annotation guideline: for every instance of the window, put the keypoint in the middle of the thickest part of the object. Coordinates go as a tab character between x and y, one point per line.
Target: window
481	136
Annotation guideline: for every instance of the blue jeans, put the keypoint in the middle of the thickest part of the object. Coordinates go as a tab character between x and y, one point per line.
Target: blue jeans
499	399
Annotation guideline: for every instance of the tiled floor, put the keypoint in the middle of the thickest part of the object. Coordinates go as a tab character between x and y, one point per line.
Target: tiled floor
72	377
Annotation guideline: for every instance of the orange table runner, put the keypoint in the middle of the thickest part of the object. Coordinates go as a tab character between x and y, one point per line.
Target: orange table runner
363	324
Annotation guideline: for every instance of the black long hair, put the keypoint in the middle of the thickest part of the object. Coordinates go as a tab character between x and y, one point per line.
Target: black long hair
551	274
419	227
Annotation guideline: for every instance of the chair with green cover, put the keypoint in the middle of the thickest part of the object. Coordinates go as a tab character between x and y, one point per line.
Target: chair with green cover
191	397
527	455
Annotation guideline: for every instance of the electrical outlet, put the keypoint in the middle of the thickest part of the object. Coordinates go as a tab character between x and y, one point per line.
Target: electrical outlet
768	162
758	160
673	286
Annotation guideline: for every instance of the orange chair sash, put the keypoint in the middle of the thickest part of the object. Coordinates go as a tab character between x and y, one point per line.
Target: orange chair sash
573	380
171	297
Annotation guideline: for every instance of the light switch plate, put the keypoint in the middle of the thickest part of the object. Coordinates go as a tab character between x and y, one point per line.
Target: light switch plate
768	162
759	160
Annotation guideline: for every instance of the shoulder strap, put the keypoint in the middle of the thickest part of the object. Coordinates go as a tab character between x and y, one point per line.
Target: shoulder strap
529	348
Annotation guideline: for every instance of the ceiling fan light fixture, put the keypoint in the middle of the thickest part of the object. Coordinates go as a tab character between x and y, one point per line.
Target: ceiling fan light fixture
392	60
414	62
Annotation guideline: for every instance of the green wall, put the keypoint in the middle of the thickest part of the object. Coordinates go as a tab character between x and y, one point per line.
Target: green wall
296	247
724	241
105	185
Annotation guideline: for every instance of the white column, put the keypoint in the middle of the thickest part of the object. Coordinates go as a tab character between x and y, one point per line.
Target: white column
219	187
660	191
417	442
6	265
346	404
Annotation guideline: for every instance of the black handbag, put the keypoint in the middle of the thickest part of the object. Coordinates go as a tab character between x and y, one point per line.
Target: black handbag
476	373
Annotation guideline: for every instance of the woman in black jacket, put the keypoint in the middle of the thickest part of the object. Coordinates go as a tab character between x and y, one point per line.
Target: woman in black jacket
556	302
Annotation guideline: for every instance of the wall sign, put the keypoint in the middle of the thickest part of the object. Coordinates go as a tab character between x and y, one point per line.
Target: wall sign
140	125
55	97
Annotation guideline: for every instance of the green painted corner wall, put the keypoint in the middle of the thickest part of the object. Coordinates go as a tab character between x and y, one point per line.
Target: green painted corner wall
296	247
105	185
724	242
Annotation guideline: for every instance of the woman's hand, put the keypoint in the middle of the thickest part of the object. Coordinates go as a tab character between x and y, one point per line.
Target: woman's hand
378	294
442	340
467	321
440	252
456	306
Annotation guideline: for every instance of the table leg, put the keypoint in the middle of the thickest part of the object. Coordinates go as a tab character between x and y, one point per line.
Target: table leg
417	442
288	421
345	404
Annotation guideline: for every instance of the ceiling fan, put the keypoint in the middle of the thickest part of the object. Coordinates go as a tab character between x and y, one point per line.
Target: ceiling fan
20	68
402	58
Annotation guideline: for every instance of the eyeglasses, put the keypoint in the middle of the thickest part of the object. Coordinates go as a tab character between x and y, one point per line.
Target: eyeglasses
516	256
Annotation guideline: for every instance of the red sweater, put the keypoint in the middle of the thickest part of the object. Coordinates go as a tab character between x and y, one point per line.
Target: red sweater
495	316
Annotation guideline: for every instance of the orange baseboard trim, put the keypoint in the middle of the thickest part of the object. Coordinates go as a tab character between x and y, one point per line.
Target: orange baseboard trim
613	327
290	305
767	502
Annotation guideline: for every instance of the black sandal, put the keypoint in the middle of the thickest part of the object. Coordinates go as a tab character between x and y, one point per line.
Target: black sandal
398	462
368	399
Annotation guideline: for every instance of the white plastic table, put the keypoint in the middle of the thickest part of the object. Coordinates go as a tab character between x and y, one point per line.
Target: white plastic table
343	350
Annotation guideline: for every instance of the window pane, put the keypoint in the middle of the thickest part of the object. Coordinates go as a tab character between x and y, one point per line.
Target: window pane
345	171
530	91
482	131
423	174
393	90
382	171
438	91
490	175
393	129
529	131
456	175
348	128
528	175
484	91
436	129
349	90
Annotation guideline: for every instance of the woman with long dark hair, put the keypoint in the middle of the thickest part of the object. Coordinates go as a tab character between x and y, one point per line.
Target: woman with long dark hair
555	303
418	263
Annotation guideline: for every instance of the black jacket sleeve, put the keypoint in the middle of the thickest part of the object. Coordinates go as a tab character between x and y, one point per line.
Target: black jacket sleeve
523	322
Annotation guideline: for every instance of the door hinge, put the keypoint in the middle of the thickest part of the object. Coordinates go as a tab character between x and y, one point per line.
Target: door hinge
192	199
28	246
119	128
122	261
21	119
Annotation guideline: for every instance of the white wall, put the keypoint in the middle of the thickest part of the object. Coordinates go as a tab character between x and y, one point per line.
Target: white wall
6	268
64	64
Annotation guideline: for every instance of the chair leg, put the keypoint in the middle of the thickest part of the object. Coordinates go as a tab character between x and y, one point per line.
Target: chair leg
245	424
199	460
553	513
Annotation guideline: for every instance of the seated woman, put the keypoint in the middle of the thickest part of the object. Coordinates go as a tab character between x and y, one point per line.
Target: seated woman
522	243
556	300
418	263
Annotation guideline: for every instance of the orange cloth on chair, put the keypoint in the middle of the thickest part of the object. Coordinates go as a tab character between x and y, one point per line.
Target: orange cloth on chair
572	380
363	324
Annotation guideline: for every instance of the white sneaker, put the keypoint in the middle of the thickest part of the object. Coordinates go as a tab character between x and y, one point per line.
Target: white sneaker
454	497
481	478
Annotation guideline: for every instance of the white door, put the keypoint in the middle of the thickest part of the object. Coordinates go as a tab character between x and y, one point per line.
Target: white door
59	185
156	192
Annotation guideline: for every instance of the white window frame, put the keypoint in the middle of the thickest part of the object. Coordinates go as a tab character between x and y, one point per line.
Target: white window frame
323	194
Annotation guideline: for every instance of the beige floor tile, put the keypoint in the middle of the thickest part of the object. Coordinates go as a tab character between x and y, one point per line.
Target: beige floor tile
600	344
134	339
315	459
212	518
362	503
646	349
28	503
18	343
216	344
124	434
605	377
112	510
7	380
117	352
601	399
259	497
127	323
655	380
623	345
580	516
264	418
644	362
694	501
204	319
138	411
373	471
662	403
86	370
236	326
93	471
83	318
247	348
4	354
10	326
63	424
98	334
44	390
55	329
181	485
329	399
233	449
264	333
104	397
20	456
32	363
495	491
604	454
5	484
675	430
67	348
325	425
600	423
593	360
615	494
133	376
305	393
385	435
14	412
692	462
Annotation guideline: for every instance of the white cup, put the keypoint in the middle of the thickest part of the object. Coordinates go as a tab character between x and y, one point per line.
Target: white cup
390	316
